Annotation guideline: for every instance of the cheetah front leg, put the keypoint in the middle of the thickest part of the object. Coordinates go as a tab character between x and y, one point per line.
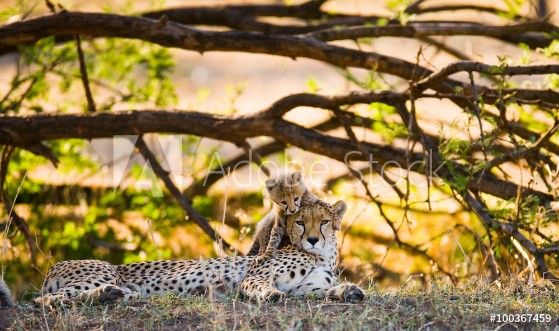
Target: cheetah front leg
80	292
104	294
258	284
322	282
346	291
278	230
261	289
52	300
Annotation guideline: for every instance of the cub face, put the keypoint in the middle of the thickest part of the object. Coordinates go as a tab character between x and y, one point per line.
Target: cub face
314	227
287	191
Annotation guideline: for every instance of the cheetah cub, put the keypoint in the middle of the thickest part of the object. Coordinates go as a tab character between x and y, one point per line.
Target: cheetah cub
289	193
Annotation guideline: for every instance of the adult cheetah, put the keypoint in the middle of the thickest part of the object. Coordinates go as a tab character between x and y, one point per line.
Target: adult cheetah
305	267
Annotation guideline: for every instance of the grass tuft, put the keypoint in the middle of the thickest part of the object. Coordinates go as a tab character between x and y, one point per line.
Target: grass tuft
468	306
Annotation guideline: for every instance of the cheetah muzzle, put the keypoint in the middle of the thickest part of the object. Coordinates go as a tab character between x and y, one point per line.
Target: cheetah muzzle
307	267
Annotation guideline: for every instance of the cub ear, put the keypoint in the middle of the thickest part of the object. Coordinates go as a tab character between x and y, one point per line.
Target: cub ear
339	208
270	184
297	177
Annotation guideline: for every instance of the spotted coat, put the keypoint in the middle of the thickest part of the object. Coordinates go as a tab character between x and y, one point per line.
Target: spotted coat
305	267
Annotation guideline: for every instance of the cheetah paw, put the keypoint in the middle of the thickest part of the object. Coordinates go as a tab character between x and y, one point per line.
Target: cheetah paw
274	296
262	258
109	294
346	292
51	301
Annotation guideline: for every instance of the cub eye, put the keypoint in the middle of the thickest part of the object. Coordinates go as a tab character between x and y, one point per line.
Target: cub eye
296	199
283	202
323	222
300	223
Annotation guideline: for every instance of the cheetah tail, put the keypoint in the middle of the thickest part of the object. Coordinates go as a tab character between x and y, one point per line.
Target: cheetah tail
5	295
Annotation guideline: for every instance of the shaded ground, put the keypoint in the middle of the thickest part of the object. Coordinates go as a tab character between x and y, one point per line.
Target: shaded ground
443	308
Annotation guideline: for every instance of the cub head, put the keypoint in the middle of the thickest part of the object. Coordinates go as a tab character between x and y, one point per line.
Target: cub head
287	191
314	227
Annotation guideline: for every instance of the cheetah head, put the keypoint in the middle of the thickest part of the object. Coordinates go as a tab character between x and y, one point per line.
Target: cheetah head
314	227
287	191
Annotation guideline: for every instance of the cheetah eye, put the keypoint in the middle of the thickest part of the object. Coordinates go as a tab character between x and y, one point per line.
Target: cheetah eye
283	202
300	223
296	199
324	222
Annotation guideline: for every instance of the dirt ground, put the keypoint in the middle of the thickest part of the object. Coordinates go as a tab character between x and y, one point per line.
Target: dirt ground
444	308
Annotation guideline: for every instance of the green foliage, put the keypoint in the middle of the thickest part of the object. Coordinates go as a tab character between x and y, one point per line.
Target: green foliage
130	71
382	21
203	94
29	86
372	80
398	7
513	8
19	10
9	13
529	211
73	155
204	205
312	85
379	112
21	163
460	183
551	51
528	119
121	7
526	57
455	148
234	92
119	61
496	69
552	81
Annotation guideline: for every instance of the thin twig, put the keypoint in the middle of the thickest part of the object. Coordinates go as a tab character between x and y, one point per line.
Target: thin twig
150	229
368	156
9	205
175	192
509	229
251	152
85	79
477	113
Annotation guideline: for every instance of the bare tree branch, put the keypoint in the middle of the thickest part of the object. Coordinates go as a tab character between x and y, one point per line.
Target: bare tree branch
85	80
177	35
175	192
422	29
25	130
481	211
471	66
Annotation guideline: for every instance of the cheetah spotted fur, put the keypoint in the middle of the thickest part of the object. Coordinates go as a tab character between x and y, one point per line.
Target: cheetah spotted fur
288	193
305	267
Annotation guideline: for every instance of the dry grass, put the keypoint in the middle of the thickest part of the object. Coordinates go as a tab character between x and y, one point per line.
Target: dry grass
445	307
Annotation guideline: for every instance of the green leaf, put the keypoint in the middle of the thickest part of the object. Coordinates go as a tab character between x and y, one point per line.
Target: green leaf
550	51
312	84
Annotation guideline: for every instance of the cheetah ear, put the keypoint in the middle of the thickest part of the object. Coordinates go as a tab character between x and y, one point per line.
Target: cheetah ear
270	183
339	208
297	177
